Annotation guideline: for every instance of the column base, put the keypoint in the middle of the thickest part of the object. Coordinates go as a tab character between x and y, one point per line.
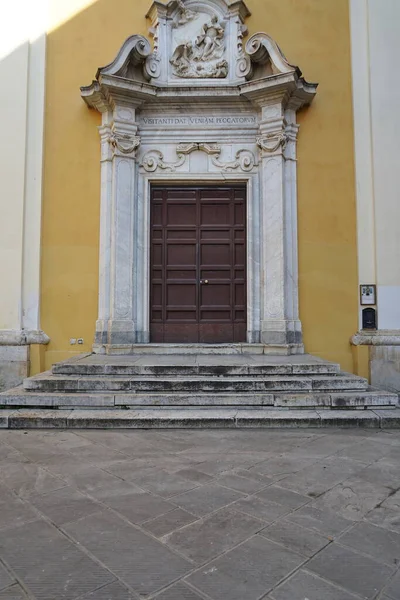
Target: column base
281	332
117	333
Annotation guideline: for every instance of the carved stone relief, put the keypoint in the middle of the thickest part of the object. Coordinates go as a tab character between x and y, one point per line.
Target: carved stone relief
154	159
124	143
270	142
185	14
203	56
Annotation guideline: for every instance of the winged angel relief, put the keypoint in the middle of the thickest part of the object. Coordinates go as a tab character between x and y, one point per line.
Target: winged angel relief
203	56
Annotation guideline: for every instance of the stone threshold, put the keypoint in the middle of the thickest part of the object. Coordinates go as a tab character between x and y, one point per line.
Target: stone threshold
196	418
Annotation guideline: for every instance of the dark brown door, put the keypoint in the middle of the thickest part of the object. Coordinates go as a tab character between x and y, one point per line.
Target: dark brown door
198	264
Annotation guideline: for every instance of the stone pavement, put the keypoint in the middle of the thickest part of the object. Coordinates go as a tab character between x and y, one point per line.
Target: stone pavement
206	514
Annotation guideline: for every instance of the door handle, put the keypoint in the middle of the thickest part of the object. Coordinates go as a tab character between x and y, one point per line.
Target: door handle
204	281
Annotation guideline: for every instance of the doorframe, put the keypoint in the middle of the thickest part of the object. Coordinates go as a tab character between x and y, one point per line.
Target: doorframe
190	181
142	266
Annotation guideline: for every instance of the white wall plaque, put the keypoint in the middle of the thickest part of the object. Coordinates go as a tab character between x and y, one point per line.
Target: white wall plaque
367	294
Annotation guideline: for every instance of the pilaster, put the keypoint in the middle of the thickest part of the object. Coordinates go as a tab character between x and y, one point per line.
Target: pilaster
119	143
280	322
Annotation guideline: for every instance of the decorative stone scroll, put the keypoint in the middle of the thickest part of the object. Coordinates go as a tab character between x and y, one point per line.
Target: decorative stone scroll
154	159
244	160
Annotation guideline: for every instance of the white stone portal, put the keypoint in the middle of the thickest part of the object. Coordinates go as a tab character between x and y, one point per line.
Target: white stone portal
200	107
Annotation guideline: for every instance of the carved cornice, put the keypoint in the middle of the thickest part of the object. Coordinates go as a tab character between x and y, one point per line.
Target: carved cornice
380	337
24	337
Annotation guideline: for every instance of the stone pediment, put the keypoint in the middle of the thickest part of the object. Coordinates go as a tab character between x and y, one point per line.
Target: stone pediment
198	47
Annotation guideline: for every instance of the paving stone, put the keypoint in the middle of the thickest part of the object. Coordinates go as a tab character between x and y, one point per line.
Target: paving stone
296	538
49	564
367	451
206	499
194	475
89	478
382	472
261	509
175	519
282	466
179	591
5	578
352	499
136	506
11	455
282	496
325	522
112	591
380	544
247	485
165	484
137	560
387	514
34	448
65	505
97	454
392	590
214	465
323	475
324	446
13	511
208	537
14	592
351	570
303	585
248	571
26	479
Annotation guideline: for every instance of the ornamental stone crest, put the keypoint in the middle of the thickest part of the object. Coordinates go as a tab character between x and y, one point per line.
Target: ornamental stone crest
202	56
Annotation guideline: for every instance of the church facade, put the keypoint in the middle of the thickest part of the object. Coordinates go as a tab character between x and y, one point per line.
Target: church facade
201	188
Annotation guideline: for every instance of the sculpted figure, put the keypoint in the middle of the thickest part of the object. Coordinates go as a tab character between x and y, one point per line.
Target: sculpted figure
186	14
202	57
210	41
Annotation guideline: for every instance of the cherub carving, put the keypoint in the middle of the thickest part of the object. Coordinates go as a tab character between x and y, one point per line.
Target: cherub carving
186	14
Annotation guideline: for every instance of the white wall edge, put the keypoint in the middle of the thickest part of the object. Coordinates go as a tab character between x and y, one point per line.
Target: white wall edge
359	28
33	184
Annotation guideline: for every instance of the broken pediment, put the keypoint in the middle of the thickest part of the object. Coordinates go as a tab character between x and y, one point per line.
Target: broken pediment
196	44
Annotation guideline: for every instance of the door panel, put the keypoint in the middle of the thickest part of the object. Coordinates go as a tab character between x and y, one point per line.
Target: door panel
198	265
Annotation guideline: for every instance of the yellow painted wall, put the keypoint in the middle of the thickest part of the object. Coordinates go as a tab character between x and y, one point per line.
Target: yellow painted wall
313	34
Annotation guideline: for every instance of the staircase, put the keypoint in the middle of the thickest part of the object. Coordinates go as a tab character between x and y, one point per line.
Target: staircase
218	378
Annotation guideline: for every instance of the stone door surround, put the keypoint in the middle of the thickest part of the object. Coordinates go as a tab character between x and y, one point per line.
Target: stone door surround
200	107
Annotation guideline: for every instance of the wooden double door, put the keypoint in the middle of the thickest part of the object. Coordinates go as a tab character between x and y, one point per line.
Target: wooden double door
198	264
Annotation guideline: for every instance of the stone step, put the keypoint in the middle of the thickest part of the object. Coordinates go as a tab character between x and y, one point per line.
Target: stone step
47	382
163	418
165	370
170	349
19	397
